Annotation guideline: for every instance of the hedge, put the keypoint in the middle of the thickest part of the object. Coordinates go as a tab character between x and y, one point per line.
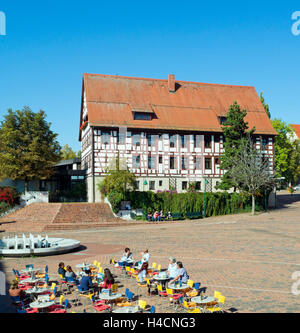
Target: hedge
217	203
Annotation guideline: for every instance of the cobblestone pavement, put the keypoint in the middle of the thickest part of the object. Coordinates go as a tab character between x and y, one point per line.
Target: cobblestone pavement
249	259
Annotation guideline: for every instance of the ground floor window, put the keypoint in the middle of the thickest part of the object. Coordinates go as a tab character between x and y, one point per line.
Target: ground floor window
207	163
152	185
184	185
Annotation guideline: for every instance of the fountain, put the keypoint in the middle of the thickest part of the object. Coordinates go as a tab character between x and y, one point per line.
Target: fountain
38	246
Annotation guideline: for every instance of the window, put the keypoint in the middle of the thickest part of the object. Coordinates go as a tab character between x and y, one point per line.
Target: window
264	143
217	138
151	162
136	139
183	141
207	141
222	120
160	159
105	137
217	161
121	138
197	163
183	163
150	140
137	185
198	186
172	162
160	183
172	140
197	141
207	163
142	116
184	186
152	185
136	161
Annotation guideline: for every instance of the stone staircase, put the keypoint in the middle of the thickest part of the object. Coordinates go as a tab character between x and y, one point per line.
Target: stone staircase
39	217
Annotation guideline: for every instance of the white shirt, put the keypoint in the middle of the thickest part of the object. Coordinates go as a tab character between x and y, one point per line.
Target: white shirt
173	270
146	257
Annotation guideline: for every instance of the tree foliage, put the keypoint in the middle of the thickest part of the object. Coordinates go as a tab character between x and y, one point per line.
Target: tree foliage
28	148
287	152
67	153
266	106
251	171
118	181
235	130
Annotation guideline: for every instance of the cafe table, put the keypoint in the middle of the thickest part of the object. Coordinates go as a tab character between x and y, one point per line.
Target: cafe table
110	298
37	291
31	280
178	287
203	300
30	270
127	309
41	305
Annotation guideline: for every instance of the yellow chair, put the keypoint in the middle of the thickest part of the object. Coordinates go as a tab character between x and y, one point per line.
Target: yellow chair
95	263
218	307
142	304
190	283
191	307
53	285
113	261
114	287
133	272
159	268
61	299
154	265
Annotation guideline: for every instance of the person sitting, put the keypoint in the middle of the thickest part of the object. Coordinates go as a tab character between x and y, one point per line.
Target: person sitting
169	216
142	272
70	275
156	216
161	216
149	216
15	291
61	269
182	274
86	282
126	259
108	279
172	268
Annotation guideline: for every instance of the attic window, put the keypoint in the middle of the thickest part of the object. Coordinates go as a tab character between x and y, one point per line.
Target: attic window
142	114
222	120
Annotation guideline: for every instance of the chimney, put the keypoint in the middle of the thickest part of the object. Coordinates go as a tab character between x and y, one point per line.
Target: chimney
171	83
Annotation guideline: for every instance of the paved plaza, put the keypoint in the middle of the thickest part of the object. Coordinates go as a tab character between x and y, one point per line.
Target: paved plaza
249	259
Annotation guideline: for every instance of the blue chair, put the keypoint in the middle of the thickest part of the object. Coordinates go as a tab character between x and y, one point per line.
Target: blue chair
47	278
28	266
126	291
46	269
197	286
152	310
129	296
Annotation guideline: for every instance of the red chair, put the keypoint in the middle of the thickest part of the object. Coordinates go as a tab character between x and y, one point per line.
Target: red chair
60	308
100	305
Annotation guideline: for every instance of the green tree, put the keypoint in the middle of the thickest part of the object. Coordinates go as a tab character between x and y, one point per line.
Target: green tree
235	130
266	106
250	171
67	153
287	152
28	148
119	179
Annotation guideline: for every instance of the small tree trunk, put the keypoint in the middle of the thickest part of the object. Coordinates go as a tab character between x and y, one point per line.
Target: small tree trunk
253	204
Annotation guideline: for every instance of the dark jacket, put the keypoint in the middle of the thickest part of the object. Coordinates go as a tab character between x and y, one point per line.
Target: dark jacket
144	267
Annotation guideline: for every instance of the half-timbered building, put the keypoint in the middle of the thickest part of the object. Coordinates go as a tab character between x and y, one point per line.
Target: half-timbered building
168	132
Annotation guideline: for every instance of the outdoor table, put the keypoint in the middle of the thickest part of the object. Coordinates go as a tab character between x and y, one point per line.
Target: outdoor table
31	280
30	270
177	287
127	309
205	300
36	291
109	298
41	305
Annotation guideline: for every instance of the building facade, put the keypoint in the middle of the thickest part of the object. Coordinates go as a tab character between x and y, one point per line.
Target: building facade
167	132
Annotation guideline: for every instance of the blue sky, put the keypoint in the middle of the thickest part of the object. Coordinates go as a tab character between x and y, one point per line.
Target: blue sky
49	44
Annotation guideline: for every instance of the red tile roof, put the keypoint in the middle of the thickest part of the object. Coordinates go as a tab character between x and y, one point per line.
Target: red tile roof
193	106
296	129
